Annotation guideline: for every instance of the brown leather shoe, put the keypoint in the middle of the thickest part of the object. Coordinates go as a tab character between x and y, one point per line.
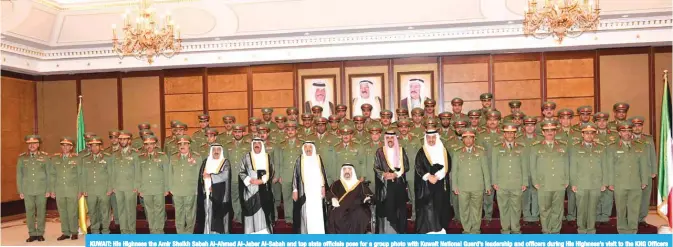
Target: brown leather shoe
31	239
40	238
73	237
62	237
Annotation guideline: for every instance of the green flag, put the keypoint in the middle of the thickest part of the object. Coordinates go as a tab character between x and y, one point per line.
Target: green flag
81	143
665	182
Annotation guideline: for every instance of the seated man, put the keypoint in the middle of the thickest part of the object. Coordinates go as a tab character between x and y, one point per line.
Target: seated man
350	201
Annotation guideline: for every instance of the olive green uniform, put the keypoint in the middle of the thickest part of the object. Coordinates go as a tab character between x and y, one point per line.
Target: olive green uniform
347	154
531	209
97	173
629	170
648	141
569	136
588	172
66	171
154	173
510	173
291	150
411	145
125	182
368	157
183	180
32	180
487	139
471	177
236	150
199	137
606	200
549	164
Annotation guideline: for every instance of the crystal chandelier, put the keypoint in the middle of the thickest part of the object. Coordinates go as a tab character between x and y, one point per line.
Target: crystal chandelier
147	37
560	18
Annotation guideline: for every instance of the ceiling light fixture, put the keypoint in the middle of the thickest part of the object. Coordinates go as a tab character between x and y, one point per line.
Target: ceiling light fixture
560	18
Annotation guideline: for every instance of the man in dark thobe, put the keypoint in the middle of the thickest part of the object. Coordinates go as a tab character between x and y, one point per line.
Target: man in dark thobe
350	201
433	166
391	165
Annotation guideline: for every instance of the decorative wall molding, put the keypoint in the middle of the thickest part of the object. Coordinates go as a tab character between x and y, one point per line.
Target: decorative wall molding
612	32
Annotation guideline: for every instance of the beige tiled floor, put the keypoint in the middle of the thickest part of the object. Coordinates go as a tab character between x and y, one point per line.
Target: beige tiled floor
14	233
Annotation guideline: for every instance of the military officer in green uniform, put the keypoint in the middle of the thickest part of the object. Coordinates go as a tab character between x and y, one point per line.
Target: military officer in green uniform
457	109
137	142
457	140
172	146
531	212
517	118
267	118
430	123
417	128
306	128
402	113
334	123
566	133
97	172
369	152
360	134
324	140
346	152
199	136
227	133
584	113
489	137
32	182
588	177
475	121
87	150
292	114
125	178
183	176
211	137
549	164
236	149
66	169
510	177
114	147
386	120
153	187
607	136
648	141
316	111
470	180
621	110
282	183
445	130
514	107
366	109
629	175
429	108
253	123
114	141
277	135
548	114
486	105
342	112
173	133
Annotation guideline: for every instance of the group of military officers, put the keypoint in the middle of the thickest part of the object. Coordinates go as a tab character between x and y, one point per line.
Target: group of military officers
530	164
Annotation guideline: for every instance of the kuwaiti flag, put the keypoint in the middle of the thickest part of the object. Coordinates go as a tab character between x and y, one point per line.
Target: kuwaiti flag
665	184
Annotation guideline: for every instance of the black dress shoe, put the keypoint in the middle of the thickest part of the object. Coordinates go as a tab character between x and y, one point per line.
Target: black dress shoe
40	238
62	237
31	239
73	237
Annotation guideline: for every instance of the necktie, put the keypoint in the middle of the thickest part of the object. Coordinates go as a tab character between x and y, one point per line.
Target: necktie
469	150
509	146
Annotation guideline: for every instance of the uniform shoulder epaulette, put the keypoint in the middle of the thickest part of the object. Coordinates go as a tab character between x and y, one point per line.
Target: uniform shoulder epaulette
57	154
175	153
646	134
535	143
521	144
23	154
600	143
194	152
562	142
106	153
576	143
612	143
457	148
479	147
160	152
142	154
639	141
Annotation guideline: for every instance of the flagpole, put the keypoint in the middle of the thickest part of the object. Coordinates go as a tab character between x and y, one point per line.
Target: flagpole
81	202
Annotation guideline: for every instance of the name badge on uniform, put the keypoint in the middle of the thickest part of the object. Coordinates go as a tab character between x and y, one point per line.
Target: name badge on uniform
620	152
157	160
502	151
72	162
40	159
639	150
102	162
128	157
560	150
517	151
581	152
144	161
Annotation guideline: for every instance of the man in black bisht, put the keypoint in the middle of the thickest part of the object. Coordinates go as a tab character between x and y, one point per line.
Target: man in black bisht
433	165
214	209
350	201
391	165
